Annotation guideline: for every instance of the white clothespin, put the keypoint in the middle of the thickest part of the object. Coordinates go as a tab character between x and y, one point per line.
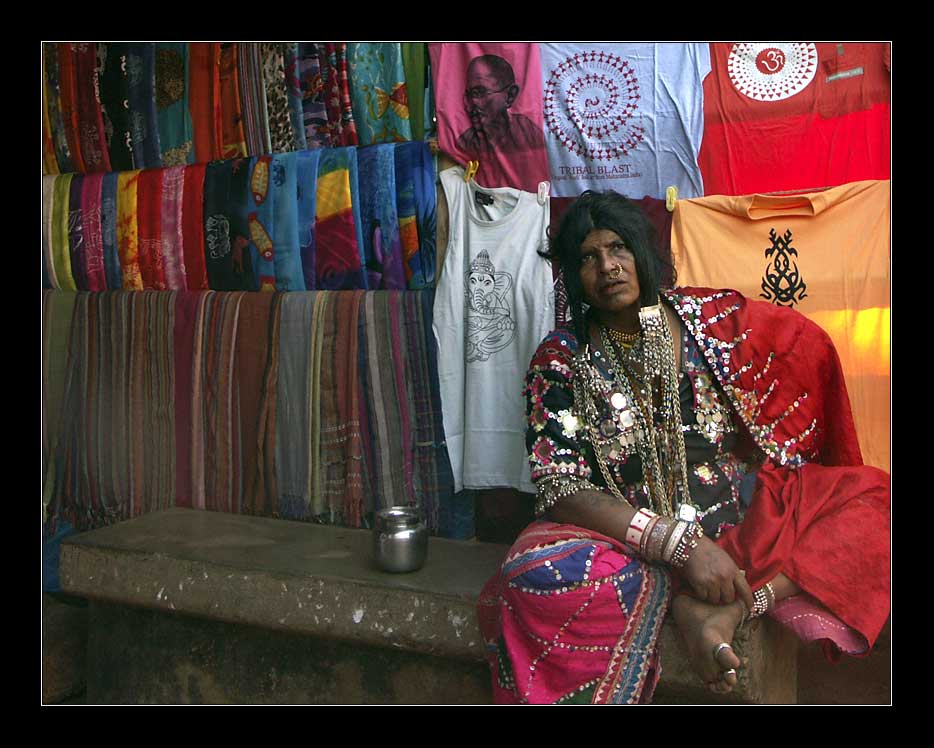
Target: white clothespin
544	189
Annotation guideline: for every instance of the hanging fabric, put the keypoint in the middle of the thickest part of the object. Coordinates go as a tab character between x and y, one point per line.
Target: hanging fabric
128	229
92	233
204	100
306	170
314	107
339	261
144	125
294	88
173	117
378	92
193	225
90	118
149	227
413	63
233	141
48	262
115	102
339	104
58	233
227	258
379	218
76	249
278	112
253	99
53	99
109	241
416	196
172	236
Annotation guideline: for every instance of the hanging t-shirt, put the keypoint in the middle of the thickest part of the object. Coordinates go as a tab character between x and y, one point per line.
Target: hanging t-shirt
626	117
489	108
826	254
783	116
494	303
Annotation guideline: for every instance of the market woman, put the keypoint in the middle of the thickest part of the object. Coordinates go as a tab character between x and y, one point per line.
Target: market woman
694	455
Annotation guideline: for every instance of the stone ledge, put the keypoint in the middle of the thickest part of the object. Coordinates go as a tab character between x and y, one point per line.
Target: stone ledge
319	581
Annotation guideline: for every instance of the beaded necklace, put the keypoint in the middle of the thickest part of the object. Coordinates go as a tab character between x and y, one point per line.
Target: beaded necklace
634	369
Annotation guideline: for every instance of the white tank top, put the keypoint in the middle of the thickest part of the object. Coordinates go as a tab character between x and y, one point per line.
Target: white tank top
493	305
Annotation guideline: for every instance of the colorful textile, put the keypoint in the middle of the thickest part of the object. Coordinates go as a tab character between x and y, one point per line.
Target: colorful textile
115	102
117	451
263	497
76	250
128	229
49	163
253	99
826	254
53	100
57	308
434	481
314	106
109	231
573	618
232	138
306	178
416	198
627	117
149	226
58	233
278	111
272	222
204	100
293	86
219	420
414	61
783	116
317	413
293	427
185	334
339	261
196	273
144	125
171	234
176	136
229	266
388	482
90	118
68	101
379	221
338	100
500	125
95	274
378	92
48	262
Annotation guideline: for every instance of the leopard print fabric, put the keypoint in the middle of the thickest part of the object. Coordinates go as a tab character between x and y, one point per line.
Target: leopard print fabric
277	98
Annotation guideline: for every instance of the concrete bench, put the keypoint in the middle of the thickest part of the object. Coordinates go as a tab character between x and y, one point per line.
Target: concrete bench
190	606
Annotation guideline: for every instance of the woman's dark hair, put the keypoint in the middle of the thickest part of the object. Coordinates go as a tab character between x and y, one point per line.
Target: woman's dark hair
604	210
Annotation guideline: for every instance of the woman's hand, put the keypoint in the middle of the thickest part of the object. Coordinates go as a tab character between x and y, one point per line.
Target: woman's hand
714	577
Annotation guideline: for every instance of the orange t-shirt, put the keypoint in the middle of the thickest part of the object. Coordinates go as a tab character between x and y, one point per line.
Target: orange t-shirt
827	254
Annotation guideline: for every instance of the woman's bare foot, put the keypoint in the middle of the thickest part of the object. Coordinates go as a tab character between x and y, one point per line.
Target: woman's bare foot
704	627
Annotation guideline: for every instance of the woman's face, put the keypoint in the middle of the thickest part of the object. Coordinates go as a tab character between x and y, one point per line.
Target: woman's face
605	287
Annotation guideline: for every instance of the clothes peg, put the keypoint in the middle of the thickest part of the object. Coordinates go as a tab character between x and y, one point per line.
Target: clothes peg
471	171
671	197
544	188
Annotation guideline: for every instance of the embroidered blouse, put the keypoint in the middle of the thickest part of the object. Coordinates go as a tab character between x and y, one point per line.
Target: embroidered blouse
720	483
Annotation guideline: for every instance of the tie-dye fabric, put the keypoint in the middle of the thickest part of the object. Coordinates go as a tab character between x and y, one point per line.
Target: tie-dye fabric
128	230
172	201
